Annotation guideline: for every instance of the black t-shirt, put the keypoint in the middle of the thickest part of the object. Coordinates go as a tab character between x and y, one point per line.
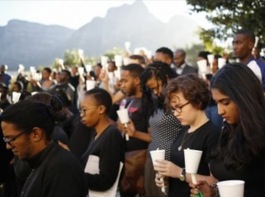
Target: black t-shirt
204	138
140	122
253	175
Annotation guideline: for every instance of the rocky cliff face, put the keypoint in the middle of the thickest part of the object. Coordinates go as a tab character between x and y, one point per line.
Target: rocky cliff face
33	44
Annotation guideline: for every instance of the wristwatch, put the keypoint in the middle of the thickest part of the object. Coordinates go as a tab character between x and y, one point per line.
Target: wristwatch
182	177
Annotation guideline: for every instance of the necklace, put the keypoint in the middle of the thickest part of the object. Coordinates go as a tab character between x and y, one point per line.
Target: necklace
184	139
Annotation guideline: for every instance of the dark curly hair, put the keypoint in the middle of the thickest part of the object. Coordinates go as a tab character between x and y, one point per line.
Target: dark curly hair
194	89
160	71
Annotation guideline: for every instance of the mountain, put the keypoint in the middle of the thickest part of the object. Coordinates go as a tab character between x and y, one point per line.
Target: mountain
33	44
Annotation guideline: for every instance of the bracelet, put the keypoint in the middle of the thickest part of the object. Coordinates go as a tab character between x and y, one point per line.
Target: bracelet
215	191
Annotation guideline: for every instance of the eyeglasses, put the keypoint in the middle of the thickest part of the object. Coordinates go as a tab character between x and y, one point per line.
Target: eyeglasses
83	111
9	141
179	108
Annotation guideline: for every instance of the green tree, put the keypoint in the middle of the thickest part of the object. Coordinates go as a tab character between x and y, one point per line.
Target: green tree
228	16
115	51
192	53
207	36
71	58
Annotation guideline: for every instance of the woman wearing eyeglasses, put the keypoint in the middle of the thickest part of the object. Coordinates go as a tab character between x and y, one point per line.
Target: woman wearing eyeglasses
106	147
187	96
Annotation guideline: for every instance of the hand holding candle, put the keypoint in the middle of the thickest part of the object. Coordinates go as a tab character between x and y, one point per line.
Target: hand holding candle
192	162
158	155
124	118
15	97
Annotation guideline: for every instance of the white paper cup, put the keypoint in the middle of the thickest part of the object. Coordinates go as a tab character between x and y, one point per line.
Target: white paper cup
118	60
192	160
157	155
60	61
90	84
231	188
104	61
80	53
81	70
32	70
210	58
202	64
15	96
36	76
21	68
88	68
123	115
124	118
221	62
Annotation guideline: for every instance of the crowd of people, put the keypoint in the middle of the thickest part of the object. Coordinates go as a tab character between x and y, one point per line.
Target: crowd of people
62	137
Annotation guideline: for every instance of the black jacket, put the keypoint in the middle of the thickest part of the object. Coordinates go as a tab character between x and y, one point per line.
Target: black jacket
56	172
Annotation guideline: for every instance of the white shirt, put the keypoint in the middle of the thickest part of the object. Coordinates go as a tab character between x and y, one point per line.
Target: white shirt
180	69
255	68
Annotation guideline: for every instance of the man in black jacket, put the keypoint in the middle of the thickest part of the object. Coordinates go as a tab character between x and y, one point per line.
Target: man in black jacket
27	127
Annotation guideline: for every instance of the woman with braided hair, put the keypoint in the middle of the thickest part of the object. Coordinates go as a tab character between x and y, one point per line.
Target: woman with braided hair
164	127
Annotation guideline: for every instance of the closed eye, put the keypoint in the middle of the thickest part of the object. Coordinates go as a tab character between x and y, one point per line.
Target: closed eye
225	101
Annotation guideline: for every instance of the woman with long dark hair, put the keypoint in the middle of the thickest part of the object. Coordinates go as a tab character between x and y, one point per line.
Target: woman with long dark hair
163	126
240	152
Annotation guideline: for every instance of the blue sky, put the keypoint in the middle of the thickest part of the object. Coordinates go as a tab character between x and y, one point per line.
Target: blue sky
74	14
